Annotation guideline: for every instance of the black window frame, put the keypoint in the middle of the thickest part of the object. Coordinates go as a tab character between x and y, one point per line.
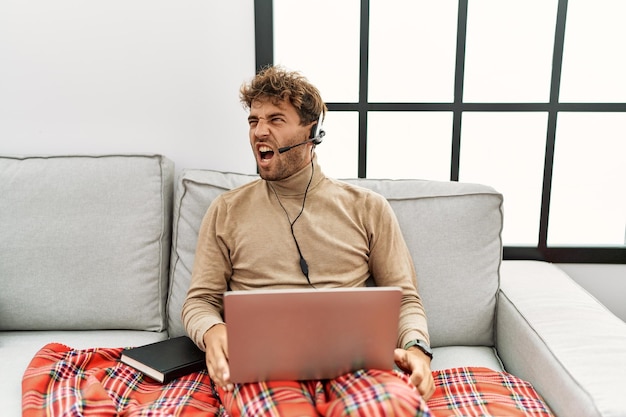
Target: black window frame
264	49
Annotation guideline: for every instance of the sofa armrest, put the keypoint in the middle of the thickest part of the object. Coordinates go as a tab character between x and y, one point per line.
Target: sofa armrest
552	333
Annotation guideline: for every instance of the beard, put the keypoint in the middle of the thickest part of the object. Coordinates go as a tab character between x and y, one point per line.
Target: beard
283	167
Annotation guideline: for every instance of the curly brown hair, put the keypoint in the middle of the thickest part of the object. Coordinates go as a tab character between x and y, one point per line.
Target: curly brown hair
278	84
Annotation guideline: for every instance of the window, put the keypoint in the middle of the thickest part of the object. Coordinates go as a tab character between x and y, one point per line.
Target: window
501	92
593	60
320	39
512	164
418	143
588	204
412	51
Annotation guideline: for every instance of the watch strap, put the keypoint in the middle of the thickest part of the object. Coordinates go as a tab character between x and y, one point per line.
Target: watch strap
421	345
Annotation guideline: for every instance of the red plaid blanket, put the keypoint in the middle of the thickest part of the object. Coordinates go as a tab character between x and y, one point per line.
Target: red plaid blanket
484	392
61	381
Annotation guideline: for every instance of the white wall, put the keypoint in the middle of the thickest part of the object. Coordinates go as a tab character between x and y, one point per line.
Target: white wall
156	76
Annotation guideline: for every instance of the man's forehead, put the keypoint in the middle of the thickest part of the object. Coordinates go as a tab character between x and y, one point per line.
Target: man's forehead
272	105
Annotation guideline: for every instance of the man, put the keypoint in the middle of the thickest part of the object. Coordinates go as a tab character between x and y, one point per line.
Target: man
261	234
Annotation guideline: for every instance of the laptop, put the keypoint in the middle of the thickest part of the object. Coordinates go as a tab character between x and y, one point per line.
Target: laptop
303	334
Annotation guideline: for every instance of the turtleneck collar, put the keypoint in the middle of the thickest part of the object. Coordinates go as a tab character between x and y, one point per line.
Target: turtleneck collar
296	184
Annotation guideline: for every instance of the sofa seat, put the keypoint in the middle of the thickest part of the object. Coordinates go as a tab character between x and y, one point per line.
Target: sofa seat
19	347
552	332
447	357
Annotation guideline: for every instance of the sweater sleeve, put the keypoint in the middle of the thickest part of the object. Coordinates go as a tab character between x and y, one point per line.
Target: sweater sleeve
212	270
391	264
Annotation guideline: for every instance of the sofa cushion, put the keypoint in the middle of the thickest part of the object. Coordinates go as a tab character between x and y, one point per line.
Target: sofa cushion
452	229
448	357
17	349
85	242
195	190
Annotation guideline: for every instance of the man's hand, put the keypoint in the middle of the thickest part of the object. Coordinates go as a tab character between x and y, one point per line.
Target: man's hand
417	363
217	356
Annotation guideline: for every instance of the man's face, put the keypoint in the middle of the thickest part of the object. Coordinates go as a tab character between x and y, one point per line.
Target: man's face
273	126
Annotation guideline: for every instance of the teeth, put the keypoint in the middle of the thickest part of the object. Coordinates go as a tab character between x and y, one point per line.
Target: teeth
264	149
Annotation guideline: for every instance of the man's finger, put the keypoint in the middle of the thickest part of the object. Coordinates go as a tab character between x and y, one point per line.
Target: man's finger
399	357
426	388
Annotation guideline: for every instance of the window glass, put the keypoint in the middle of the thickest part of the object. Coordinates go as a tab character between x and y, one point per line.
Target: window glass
339	151
506	151
412	50
409	145
588	199
594	62
508	59
509	49
320	39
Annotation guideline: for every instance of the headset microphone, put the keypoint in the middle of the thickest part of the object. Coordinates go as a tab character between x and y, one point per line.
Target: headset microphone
288	148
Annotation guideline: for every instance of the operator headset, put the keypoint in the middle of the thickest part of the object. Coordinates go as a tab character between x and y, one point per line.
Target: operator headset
317	133
315	136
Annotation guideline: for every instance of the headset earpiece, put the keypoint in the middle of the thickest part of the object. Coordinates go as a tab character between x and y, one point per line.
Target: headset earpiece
316	131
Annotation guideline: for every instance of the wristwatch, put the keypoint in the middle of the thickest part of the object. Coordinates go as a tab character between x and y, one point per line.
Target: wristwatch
421	345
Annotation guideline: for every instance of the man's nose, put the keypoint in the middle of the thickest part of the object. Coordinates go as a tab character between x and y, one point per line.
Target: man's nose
261	130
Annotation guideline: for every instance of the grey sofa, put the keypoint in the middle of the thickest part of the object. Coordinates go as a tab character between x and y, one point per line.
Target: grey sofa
97	251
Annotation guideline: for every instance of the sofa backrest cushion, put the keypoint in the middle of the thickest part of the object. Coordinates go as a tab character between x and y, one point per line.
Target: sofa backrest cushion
453	231
85	242
195	190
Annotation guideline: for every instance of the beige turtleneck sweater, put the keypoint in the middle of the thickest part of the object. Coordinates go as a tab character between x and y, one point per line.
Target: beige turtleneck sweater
346	233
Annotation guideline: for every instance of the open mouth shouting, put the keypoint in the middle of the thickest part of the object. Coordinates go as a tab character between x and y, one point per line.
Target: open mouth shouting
265	152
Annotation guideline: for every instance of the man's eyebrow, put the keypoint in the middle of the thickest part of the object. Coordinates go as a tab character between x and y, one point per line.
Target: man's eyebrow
269	116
